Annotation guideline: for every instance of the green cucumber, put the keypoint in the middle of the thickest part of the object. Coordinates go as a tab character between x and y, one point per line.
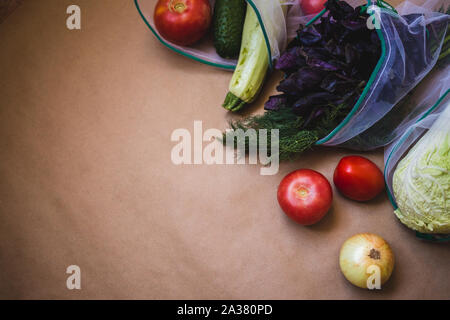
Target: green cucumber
228	23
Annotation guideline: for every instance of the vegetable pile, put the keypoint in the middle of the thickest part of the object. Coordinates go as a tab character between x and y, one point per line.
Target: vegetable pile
236	33
326	68
306	196
421	181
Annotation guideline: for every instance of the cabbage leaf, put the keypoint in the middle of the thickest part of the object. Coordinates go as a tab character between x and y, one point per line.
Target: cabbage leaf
421	181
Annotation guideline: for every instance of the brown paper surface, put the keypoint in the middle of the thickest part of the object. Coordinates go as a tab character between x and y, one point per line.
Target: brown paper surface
86	179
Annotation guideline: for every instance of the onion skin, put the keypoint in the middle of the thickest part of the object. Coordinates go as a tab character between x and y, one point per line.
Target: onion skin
361	251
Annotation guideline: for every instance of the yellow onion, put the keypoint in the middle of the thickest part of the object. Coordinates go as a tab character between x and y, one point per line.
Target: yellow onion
366	260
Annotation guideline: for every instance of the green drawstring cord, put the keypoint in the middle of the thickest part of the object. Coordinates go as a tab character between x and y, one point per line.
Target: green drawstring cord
381	4
432	237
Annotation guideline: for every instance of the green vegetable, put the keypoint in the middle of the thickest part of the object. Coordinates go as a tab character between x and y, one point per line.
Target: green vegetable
294	137
228	23
421	181
252	65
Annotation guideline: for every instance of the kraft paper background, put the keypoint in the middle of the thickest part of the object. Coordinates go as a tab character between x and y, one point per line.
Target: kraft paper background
86	179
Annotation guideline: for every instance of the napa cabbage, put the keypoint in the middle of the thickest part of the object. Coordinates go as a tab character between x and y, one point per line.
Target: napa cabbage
421	181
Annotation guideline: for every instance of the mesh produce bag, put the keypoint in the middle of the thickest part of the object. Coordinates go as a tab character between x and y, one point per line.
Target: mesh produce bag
412	40
272	16
395	152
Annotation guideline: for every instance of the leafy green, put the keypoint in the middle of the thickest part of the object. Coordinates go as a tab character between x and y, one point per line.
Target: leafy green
294	136
421	181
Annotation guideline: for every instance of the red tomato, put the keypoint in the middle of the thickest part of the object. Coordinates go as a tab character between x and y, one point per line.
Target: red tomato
312	6
305	196
358	178
182	22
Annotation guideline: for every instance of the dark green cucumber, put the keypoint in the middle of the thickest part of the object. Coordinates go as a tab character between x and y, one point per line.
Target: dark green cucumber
228	22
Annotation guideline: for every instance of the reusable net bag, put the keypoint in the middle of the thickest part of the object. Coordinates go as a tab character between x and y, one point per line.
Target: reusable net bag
272	16
411	40
395	152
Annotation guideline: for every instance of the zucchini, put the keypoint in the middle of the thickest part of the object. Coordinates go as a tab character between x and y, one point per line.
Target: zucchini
252	65
228	23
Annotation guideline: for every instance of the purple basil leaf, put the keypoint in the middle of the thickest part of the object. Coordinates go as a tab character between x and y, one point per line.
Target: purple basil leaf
329	83
290	59
354	25
327	64
301	81
336	83
276	102
340	9
309	36
339	64
365	47
334	49
320	53
286	61
351	55
314	99
326	26
323	65
344	36
339	50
